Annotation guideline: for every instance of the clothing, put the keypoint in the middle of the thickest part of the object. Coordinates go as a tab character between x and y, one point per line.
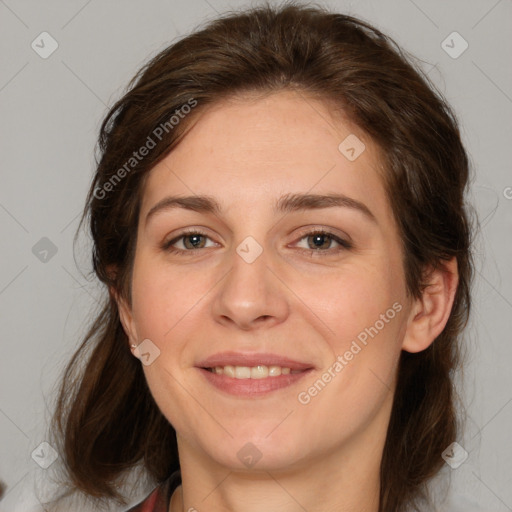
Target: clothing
160	498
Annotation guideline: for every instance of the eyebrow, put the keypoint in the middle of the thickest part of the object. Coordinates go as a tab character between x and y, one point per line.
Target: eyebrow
285	204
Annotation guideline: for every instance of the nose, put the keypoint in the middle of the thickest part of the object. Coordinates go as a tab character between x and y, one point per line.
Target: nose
250	296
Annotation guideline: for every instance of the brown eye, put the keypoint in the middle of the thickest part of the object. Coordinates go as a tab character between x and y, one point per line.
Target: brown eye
193	241
322	242
190	241
319	241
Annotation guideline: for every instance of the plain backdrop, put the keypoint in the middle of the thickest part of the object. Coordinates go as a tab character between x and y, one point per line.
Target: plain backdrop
51	109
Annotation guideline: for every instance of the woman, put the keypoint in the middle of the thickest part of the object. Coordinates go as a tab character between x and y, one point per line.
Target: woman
278	214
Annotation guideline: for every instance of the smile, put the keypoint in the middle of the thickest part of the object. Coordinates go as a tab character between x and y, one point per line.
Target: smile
252	374
260	371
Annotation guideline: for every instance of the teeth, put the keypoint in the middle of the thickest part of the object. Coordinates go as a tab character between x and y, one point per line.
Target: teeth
259	372
242	372
252	372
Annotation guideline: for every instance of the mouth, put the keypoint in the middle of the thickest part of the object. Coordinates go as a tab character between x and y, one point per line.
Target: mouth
260	371
252	375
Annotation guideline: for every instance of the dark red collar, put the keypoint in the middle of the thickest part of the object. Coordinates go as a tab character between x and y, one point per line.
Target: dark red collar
159	499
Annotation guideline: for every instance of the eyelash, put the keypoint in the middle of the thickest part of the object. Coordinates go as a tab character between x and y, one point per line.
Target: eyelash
344	244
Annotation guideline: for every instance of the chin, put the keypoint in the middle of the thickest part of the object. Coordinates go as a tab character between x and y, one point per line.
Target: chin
255	449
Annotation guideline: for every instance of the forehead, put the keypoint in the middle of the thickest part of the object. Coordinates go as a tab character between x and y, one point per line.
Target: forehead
251	150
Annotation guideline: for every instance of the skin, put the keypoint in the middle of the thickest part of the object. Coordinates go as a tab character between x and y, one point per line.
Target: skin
324	455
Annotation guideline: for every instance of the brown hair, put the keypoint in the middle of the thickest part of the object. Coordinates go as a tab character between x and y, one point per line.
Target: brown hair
106	418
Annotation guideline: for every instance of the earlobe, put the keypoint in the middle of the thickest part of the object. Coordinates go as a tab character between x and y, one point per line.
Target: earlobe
429	314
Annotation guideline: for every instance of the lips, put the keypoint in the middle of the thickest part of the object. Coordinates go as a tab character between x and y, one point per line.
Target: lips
252	360
252	375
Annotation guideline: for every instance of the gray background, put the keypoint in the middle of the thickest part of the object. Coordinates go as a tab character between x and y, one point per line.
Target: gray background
50	114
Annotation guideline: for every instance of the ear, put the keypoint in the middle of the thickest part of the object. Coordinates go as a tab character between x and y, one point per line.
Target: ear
429	314
124	309
126	317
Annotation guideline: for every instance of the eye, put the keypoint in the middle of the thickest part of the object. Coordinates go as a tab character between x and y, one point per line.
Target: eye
189	240
318	242
321	241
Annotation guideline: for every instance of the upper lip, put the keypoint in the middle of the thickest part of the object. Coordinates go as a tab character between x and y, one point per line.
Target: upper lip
252	359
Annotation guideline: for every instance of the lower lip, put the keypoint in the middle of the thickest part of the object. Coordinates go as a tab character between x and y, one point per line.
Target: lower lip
252	387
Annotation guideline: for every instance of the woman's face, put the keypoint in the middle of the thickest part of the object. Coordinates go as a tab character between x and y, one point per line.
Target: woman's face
272	281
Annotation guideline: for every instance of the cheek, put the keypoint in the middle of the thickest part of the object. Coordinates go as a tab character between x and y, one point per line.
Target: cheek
353	388
162	297
366	311
357	300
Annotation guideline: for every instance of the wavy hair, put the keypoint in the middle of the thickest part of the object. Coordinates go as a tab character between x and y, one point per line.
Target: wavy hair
347	63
